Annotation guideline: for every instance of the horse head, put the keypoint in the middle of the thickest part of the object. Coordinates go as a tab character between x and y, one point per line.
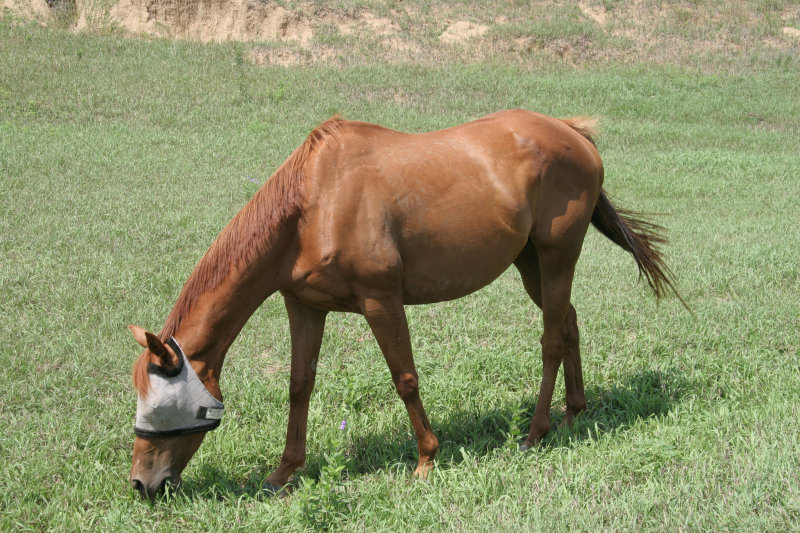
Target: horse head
173	414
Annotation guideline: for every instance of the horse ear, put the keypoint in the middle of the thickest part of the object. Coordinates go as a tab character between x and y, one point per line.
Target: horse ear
152	343
140	334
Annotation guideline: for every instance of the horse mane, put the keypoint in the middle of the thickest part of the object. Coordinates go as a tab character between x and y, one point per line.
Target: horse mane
248	235
586	126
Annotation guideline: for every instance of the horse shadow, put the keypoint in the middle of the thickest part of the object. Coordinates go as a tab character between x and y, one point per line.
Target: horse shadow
464	435
643	395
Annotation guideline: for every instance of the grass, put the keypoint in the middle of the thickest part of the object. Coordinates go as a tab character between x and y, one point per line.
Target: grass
120	160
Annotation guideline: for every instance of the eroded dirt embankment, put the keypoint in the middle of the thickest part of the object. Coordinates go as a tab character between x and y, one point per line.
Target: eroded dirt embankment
310	32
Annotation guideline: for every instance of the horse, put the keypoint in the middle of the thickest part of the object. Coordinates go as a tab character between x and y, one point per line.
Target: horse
365	219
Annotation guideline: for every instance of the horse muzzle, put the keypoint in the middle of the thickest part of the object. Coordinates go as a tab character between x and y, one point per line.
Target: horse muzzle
155	486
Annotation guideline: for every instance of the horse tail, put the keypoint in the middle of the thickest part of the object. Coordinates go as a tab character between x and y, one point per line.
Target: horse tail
586	126
639	237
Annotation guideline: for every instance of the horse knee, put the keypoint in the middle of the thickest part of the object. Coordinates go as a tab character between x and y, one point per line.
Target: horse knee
407	385
300	388
553	350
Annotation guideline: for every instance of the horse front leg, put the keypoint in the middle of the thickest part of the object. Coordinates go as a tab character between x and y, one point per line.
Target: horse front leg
306	326
387	320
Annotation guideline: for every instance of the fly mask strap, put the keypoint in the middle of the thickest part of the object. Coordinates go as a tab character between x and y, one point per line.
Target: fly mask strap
178	403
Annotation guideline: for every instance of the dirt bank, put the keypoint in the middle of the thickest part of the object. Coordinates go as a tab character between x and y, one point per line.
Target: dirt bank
301	32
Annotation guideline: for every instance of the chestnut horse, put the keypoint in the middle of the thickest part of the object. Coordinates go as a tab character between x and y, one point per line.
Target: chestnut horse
365	219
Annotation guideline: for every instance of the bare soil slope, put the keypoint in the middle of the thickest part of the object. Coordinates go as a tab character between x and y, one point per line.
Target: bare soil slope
289	32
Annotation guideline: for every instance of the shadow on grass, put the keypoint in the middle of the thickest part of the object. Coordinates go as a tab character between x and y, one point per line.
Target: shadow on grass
643	395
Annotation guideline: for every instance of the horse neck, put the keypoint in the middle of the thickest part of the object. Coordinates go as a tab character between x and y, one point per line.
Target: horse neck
206	322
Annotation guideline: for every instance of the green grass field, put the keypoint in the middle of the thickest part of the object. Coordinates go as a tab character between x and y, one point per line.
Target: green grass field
121	159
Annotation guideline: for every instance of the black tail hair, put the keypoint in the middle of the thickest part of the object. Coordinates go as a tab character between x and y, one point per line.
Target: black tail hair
634	234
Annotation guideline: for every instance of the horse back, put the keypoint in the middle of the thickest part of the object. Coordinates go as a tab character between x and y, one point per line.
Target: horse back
440	213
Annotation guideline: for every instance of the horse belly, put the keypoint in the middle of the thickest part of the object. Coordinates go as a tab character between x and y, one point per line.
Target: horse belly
458	256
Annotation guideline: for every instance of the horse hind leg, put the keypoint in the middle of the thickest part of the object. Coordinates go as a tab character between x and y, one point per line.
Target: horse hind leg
547	278
573	372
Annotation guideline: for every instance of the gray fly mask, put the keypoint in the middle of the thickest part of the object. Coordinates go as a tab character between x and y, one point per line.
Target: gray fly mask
177	403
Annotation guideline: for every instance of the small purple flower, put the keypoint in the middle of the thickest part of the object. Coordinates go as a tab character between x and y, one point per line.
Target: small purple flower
343	425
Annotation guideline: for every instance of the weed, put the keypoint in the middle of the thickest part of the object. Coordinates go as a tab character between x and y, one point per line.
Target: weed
515	423
324	502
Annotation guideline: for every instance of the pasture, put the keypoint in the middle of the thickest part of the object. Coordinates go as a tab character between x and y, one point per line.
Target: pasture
121	159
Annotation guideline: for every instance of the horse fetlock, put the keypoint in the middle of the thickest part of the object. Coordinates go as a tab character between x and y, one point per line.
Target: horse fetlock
575	408
428	446
280	476
290	461
539	429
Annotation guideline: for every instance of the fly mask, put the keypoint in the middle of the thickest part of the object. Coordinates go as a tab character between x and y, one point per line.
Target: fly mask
177	403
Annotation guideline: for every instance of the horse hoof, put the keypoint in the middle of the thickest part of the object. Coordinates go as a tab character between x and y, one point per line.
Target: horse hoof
270	490
527	446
